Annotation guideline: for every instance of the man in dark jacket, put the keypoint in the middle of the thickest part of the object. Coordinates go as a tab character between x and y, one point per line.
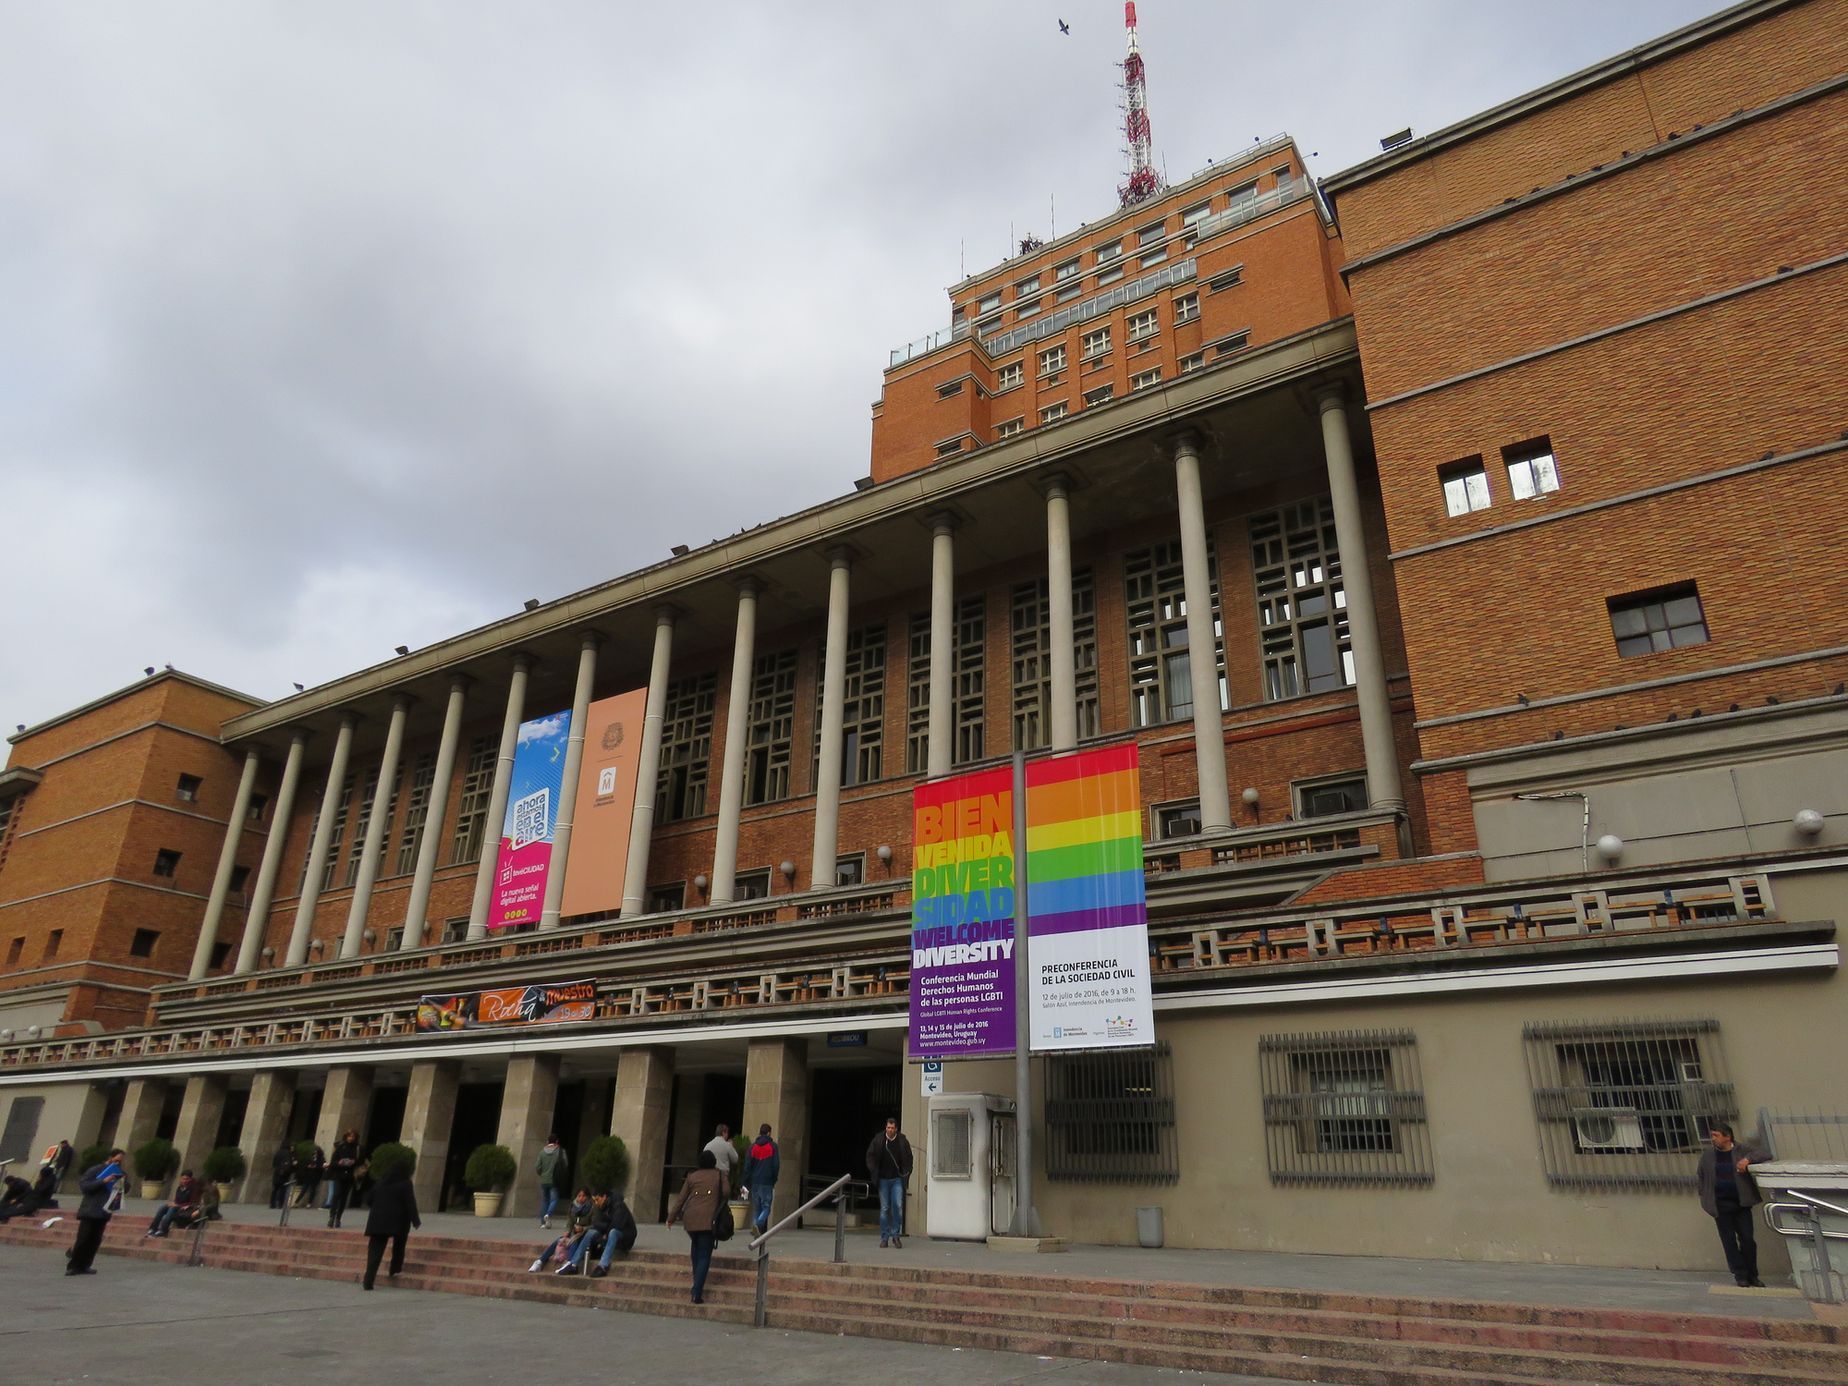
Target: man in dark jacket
97	1184
342	1169
761	1168
392	1216
187	1195
26	1199
1728	1193
282	1173
621	1237
888	1160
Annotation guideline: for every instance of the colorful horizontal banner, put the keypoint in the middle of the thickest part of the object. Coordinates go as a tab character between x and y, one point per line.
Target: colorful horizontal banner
1087	911
543	1003
525	852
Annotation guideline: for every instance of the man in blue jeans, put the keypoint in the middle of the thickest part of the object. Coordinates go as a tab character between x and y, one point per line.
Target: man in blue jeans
761	1168
888	1160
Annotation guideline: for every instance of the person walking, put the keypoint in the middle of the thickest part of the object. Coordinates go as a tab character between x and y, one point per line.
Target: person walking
554	1171
392	1216
97	1184
308	1177
761	1168
341	1170
888	1161
696	1207
1728	1193
722	1150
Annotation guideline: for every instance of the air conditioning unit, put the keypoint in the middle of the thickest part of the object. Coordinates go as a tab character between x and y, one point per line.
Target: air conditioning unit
1608	1128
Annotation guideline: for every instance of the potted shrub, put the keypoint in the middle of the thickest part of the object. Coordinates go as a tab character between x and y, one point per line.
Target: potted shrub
155	1162
92	1157
605	1165
391	1156
224	1167
489	1171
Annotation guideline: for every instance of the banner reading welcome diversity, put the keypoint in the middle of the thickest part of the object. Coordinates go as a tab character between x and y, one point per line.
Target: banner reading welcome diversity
550	1003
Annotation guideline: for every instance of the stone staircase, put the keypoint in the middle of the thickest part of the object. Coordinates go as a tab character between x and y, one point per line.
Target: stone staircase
1293	1335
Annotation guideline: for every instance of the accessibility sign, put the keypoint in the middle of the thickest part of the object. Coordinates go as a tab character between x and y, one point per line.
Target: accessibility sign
933	1077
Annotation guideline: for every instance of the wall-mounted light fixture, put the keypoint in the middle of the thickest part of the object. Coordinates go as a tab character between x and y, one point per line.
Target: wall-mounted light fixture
1610	848
788	869
1808	822
884	853
700	882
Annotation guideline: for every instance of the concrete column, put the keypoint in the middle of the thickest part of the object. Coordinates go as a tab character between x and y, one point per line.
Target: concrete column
257	919
431	842
497	797
776	1090
1363	620
227	859
527	1105
429	1117
567	792
737	720
346	1102
200	1113
139	1119
833	710
1209	722
940	750
644	1102
648	768
378	824
323	844
266	1126
1062	716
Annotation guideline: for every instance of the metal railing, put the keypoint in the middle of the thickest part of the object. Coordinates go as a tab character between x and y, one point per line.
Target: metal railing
761	1242
1809	1213
1251	208
1115	297
928	343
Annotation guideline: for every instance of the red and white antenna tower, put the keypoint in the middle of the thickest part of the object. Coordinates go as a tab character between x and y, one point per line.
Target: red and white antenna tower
1144	181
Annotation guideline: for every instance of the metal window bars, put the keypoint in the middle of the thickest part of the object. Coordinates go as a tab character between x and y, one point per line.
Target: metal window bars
1110	1117
1344	1107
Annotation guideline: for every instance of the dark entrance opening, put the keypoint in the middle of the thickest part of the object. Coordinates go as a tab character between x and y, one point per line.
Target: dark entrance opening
715	1097
231	1123
567	1116
171	1101
305	1114
847	1106
477	1122
385	1122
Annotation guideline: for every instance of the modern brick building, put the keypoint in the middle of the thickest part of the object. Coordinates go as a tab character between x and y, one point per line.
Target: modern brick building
1496	850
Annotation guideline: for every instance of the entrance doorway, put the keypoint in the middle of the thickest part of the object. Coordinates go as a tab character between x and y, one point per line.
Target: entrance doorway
846	1107
477	1122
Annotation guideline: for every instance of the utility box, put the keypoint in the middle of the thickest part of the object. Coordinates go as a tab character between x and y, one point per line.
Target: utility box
971	1172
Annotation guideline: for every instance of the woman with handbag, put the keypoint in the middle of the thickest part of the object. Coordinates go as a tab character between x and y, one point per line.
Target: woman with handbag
700	1202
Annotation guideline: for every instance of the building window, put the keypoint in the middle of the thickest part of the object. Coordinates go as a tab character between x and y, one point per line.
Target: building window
1096	343
971	677
686	748
394	938
1151	235
1068	293
456	930
1106	253
1109	276
1326	797
1226	279
1177	820
1532	469
751	885
1189	364
1007	428
1666	618
142	945
1032	660
1243	196
1051	361
1145	380
1344	1108
1186	308
221	954
1052	413
1626	1104
1027	286
1110	1117
334	838
240	876
1144	325
1068	270
1302	606
1101	395
1197	212
1160	670
258	802
53	941
950	449
166	862
472	805
772	729
363	824
1466	486
917	695
1024	310
410	837
665	899
187	790
951	390
1231	346
862	707
1008	376
850	870
13	950
989	303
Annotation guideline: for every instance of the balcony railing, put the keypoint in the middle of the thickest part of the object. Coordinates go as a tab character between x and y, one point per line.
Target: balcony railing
928	343
1288	190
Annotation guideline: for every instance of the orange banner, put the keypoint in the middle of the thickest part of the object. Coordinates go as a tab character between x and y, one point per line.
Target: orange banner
605	804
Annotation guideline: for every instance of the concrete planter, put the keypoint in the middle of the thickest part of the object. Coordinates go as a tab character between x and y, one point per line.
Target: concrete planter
225	1191
487	1205
153	1188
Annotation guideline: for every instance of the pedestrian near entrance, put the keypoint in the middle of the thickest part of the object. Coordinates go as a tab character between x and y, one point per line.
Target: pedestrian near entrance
97	1184
1728	1193
554	1171
282	1174
341	1170
888	1160
696	1207
761	1168
722	1150
392	1216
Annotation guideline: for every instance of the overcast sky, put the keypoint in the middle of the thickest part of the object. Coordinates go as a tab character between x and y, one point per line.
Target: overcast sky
329	327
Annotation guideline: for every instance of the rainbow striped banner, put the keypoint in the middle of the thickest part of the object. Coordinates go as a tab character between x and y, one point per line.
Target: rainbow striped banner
1087	909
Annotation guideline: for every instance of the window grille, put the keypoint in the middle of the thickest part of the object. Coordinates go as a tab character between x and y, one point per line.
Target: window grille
950	1134
686	748
363	822
1160	674
472	806
1626	1104
416	810
1110	1117
971	680
771	734
1344	1108
862	707
1032	660
334	839
1302	605
917	695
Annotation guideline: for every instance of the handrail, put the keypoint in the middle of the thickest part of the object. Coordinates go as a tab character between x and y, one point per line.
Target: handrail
761	1242
1815	1234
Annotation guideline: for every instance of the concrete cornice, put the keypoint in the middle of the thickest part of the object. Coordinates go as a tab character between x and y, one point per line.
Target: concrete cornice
135	687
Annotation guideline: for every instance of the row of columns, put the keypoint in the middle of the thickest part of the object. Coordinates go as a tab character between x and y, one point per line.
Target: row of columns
1209	739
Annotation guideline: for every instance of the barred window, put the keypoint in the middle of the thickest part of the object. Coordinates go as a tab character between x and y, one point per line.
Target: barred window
1344	1108
334	839
1160	669
472	804
970	675
770	736
416	809
1302	605
1626	1104
686	747
1032	659
917	694
862	707
363	822
1110	1117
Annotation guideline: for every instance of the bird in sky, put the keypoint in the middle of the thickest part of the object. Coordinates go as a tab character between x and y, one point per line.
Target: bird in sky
1065	28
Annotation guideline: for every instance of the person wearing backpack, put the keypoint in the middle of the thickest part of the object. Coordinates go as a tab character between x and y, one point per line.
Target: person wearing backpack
761	1168
701	1198
554	1171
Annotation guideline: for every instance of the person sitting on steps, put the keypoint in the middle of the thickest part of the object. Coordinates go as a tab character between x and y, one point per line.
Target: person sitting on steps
188	1194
